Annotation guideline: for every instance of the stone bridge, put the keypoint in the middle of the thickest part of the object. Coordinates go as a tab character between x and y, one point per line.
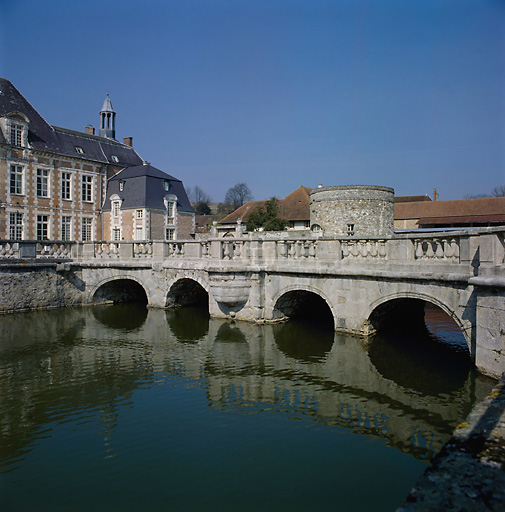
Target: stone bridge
362	284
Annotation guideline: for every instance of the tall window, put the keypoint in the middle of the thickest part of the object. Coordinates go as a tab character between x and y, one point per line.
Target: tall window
16	226
139	233
16	134
66	186
115	209
42	183
139	214
66	228
42	227
86	232
16	179
170	234
171	212
350	229
116	234
87	187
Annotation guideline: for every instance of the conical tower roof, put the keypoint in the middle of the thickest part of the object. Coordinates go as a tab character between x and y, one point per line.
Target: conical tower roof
107	105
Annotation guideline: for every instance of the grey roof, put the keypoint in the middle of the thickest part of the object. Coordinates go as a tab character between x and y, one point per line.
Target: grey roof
44	137
144	188
107	105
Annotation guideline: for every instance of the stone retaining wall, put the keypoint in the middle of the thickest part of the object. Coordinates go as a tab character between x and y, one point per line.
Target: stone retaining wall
39	287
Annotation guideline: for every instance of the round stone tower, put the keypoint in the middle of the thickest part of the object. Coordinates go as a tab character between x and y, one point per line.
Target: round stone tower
352	210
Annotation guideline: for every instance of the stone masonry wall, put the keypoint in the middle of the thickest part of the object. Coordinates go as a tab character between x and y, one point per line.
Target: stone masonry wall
39	288
357	210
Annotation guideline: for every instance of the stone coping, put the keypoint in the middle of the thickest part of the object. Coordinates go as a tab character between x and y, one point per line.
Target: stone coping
469	472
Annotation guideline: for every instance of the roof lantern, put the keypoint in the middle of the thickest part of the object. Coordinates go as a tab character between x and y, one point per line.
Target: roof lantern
107	120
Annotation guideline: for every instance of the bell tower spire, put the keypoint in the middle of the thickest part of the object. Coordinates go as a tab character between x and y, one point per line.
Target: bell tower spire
107	120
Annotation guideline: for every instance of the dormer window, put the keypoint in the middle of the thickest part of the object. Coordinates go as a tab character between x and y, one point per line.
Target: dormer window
16	132
166	185
79	150
115	159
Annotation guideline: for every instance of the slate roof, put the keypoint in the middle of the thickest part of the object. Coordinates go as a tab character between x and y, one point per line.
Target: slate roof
462	211
61	141
294	207
144	188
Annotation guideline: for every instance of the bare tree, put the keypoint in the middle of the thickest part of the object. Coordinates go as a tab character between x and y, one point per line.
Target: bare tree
238	195
199	200
498	191
197	195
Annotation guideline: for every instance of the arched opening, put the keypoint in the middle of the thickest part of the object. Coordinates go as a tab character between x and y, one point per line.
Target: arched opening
418	318
120	291
309	333
419	346
187	292
304	306
188	317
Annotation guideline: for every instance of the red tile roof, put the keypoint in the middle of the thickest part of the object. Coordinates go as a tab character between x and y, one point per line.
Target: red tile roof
295	206
452	212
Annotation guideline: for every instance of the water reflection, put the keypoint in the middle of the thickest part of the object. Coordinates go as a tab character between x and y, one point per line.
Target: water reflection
56	364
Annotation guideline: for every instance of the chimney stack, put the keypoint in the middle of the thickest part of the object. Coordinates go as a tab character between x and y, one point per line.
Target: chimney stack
90	130
128	141
435	195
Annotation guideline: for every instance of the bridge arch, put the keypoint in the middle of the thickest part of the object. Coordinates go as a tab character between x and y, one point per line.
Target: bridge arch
288	301
379	309
120	288
187	291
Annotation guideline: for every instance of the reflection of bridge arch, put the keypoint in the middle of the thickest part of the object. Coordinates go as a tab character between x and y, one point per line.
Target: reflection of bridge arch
379	308
120	288
288	301
187	291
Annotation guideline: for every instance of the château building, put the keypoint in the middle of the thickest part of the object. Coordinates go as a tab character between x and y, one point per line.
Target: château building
53	181
145	203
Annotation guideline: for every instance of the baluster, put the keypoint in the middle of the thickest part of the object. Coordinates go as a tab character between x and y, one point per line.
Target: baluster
447	249
363	248
455	249
354	249
429	251
312	249
382	249
419	253
439	252
238	250
226	251
292	250
203	246
373	249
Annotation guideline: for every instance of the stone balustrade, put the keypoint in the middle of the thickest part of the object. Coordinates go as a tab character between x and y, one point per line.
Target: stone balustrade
485	245
432	248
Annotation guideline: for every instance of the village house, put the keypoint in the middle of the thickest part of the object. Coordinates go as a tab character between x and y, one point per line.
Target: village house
460	213
295	208
410	212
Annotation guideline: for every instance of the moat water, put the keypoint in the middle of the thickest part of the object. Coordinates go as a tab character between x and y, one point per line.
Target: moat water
126	408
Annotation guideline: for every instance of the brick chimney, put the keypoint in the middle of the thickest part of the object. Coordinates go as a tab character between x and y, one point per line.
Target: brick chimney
128	141
435	195
90	130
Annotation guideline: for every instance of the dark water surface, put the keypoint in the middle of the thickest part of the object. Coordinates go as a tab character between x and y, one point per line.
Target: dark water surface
123	408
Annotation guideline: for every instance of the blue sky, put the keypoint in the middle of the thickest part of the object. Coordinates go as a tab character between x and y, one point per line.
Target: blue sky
277	93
